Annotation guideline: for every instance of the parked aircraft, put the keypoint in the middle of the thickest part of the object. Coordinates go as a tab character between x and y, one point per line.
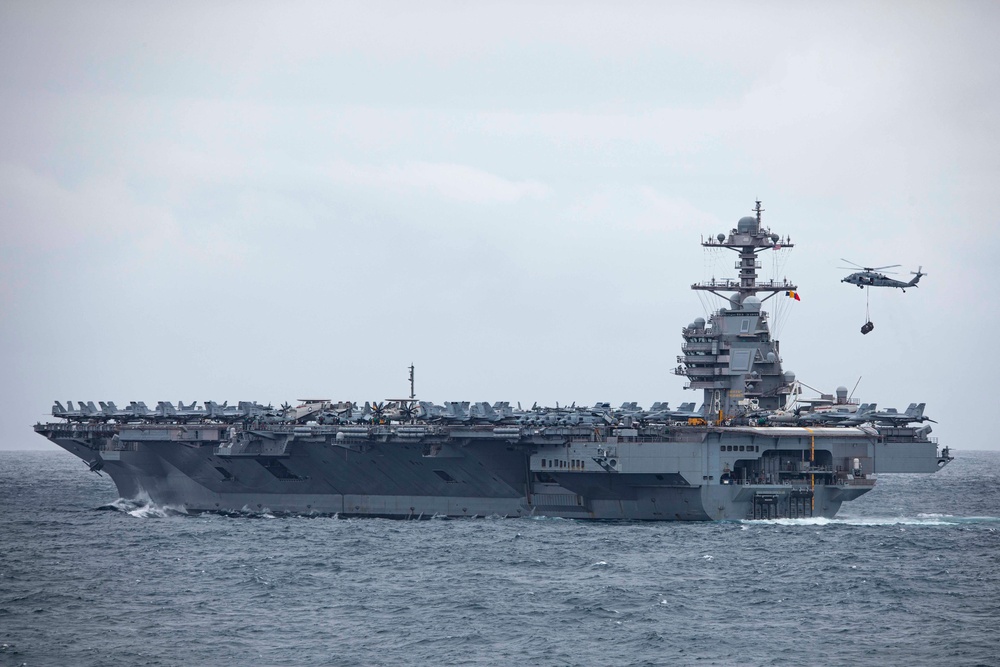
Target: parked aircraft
914	413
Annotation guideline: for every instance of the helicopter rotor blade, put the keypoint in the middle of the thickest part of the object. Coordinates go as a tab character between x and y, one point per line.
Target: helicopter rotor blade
866	268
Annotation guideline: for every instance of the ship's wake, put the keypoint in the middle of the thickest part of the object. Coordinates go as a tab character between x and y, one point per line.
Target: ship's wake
922	519
143	508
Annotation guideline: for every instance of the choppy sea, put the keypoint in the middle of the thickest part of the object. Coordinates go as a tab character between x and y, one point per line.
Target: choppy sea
906	575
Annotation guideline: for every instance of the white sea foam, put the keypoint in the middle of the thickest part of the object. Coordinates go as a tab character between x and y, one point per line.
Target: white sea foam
918	520
143	508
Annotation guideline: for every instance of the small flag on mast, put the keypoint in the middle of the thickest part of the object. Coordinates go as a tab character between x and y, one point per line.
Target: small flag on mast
793	295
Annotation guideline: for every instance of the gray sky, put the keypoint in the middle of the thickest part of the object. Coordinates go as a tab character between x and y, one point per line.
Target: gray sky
239	201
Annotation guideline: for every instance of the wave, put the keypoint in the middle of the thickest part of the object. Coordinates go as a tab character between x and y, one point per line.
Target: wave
919	520
144	508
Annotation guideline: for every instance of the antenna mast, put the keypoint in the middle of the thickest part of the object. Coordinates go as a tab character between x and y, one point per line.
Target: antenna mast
748	239
413	394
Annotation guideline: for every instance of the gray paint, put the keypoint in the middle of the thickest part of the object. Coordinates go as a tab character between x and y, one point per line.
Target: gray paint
410	459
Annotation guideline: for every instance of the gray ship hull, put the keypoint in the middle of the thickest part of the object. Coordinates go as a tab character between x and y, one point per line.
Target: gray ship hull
753	450
681	473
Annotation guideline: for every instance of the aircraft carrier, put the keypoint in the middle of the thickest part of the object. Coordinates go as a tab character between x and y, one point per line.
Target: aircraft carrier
755	449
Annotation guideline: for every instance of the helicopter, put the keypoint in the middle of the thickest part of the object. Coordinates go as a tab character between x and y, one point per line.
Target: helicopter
868	276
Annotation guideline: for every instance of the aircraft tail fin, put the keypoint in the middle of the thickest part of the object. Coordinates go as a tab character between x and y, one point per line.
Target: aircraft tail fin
916	276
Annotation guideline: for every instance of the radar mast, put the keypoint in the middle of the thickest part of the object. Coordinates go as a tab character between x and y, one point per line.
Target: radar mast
732	357
748	238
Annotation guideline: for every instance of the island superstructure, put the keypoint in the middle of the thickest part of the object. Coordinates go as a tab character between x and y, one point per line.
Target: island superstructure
754	449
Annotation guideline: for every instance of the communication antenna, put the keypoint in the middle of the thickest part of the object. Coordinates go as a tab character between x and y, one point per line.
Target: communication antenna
855	387
413	394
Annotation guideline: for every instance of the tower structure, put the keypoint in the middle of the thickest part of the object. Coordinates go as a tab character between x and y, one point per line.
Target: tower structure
733	357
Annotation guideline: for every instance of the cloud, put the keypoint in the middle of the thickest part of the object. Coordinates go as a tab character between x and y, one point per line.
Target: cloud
43	215
456	182
640	208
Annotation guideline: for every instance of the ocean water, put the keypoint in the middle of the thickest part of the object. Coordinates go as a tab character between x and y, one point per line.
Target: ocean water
906	575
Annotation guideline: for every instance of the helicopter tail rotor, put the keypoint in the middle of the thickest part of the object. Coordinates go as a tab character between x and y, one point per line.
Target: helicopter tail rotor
919	273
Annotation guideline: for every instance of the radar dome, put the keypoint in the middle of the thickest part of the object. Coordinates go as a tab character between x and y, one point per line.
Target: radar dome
721	237
771	358
789	377
751	303
841	394
699	323
774	238
747	225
